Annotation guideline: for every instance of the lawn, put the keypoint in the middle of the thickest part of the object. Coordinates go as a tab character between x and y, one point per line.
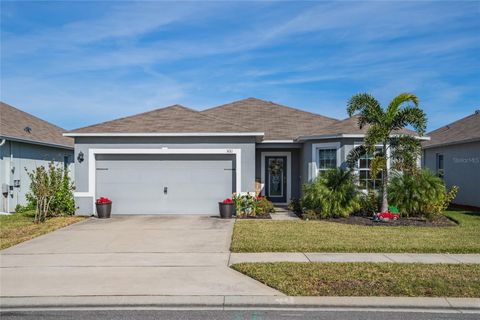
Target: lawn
367	279
324	236
20	227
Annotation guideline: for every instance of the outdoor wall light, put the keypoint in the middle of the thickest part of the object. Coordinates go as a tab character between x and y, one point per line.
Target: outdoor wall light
80	157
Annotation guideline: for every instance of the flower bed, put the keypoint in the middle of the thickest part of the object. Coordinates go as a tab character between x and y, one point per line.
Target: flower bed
249	206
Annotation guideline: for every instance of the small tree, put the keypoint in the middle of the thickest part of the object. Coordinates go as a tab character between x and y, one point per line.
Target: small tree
403	110
49	186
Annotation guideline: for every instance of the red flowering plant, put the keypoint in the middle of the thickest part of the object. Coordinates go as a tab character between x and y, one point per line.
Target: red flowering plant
228	201
103	200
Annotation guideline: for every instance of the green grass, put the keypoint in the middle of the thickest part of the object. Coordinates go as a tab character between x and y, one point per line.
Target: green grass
20	227
367	279
324	236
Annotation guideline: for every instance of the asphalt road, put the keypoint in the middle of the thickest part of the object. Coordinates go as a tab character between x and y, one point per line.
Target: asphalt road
232	315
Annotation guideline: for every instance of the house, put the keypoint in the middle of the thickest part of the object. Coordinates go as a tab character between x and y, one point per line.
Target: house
27	142
176	160
454	154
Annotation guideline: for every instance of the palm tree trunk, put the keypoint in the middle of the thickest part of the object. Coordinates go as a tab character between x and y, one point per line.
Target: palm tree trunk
385	180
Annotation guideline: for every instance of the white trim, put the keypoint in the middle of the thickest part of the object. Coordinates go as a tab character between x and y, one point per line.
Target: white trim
350	135
277	141
165	134
47	144
329	136
289	171
93	152
313	172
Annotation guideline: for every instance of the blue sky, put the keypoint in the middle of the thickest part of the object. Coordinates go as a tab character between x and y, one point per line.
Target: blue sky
75	63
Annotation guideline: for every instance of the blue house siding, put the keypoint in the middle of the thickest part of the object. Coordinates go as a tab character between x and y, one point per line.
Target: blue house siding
461	168
16	158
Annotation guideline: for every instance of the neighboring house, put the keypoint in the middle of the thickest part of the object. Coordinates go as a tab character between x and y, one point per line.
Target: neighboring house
27	142
454	154
177	160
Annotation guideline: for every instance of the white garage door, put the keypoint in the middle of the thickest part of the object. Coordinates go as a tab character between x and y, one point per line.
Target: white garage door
165	184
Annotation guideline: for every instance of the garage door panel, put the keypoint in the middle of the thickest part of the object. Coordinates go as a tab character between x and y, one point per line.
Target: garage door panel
136	183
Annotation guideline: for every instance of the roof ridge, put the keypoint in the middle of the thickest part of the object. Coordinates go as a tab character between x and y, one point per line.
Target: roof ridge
33	116
273	103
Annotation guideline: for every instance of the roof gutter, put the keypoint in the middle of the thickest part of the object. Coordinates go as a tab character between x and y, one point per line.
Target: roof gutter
347	135
165	134
446	144
41	143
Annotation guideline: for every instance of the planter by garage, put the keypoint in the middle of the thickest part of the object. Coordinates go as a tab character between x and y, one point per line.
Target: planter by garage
104	210
227	210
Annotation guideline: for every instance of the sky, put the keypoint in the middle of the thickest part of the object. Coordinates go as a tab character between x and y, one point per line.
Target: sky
79	63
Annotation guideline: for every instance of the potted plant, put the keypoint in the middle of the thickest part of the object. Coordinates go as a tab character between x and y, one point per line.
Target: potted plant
227	208
104	207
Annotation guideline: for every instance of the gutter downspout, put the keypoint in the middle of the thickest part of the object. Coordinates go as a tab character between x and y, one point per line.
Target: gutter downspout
5	203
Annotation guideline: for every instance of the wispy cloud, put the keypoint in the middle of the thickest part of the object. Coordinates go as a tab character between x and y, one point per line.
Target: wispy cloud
126	57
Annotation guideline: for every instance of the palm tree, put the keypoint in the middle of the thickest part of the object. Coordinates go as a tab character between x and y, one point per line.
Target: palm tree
383	129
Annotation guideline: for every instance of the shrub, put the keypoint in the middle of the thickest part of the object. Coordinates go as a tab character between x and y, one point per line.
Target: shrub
264	206
295	206
370	203
28	207
332	194
419	194
51	192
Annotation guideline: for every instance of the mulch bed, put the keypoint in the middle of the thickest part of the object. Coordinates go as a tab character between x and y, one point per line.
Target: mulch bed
440	221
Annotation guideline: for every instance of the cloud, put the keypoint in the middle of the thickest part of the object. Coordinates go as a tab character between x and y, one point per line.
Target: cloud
131	56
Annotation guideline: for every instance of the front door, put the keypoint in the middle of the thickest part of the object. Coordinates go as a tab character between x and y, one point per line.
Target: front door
276	179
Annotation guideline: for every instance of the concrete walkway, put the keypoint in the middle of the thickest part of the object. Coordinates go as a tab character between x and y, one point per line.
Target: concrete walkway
127	256
354	257
282	213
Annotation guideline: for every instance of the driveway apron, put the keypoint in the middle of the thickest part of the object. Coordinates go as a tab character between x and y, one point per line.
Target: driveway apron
128	255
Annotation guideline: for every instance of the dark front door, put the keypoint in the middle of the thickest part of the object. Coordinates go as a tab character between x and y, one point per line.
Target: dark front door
276	179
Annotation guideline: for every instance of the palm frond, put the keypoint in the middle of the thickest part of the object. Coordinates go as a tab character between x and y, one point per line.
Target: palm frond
413	116
403	98
367	107
354	155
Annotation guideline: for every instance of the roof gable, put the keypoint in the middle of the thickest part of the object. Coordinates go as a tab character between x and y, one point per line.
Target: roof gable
172	119
461	131
14	124
279	122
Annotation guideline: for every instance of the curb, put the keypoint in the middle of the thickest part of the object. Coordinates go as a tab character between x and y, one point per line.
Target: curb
470	305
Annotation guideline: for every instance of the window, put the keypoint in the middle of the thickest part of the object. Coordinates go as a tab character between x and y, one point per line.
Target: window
327	159
365	179
440	166
325	156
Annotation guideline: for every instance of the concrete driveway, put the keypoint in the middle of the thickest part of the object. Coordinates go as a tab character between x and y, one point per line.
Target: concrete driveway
128	255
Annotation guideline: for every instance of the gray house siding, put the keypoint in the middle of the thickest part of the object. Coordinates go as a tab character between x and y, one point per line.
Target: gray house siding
461	168
15	157
346	145
296	173
84	204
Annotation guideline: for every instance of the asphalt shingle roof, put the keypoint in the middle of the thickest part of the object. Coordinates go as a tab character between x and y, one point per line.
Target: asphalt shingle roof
173	119
461	131
277	121
350	126
14	124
